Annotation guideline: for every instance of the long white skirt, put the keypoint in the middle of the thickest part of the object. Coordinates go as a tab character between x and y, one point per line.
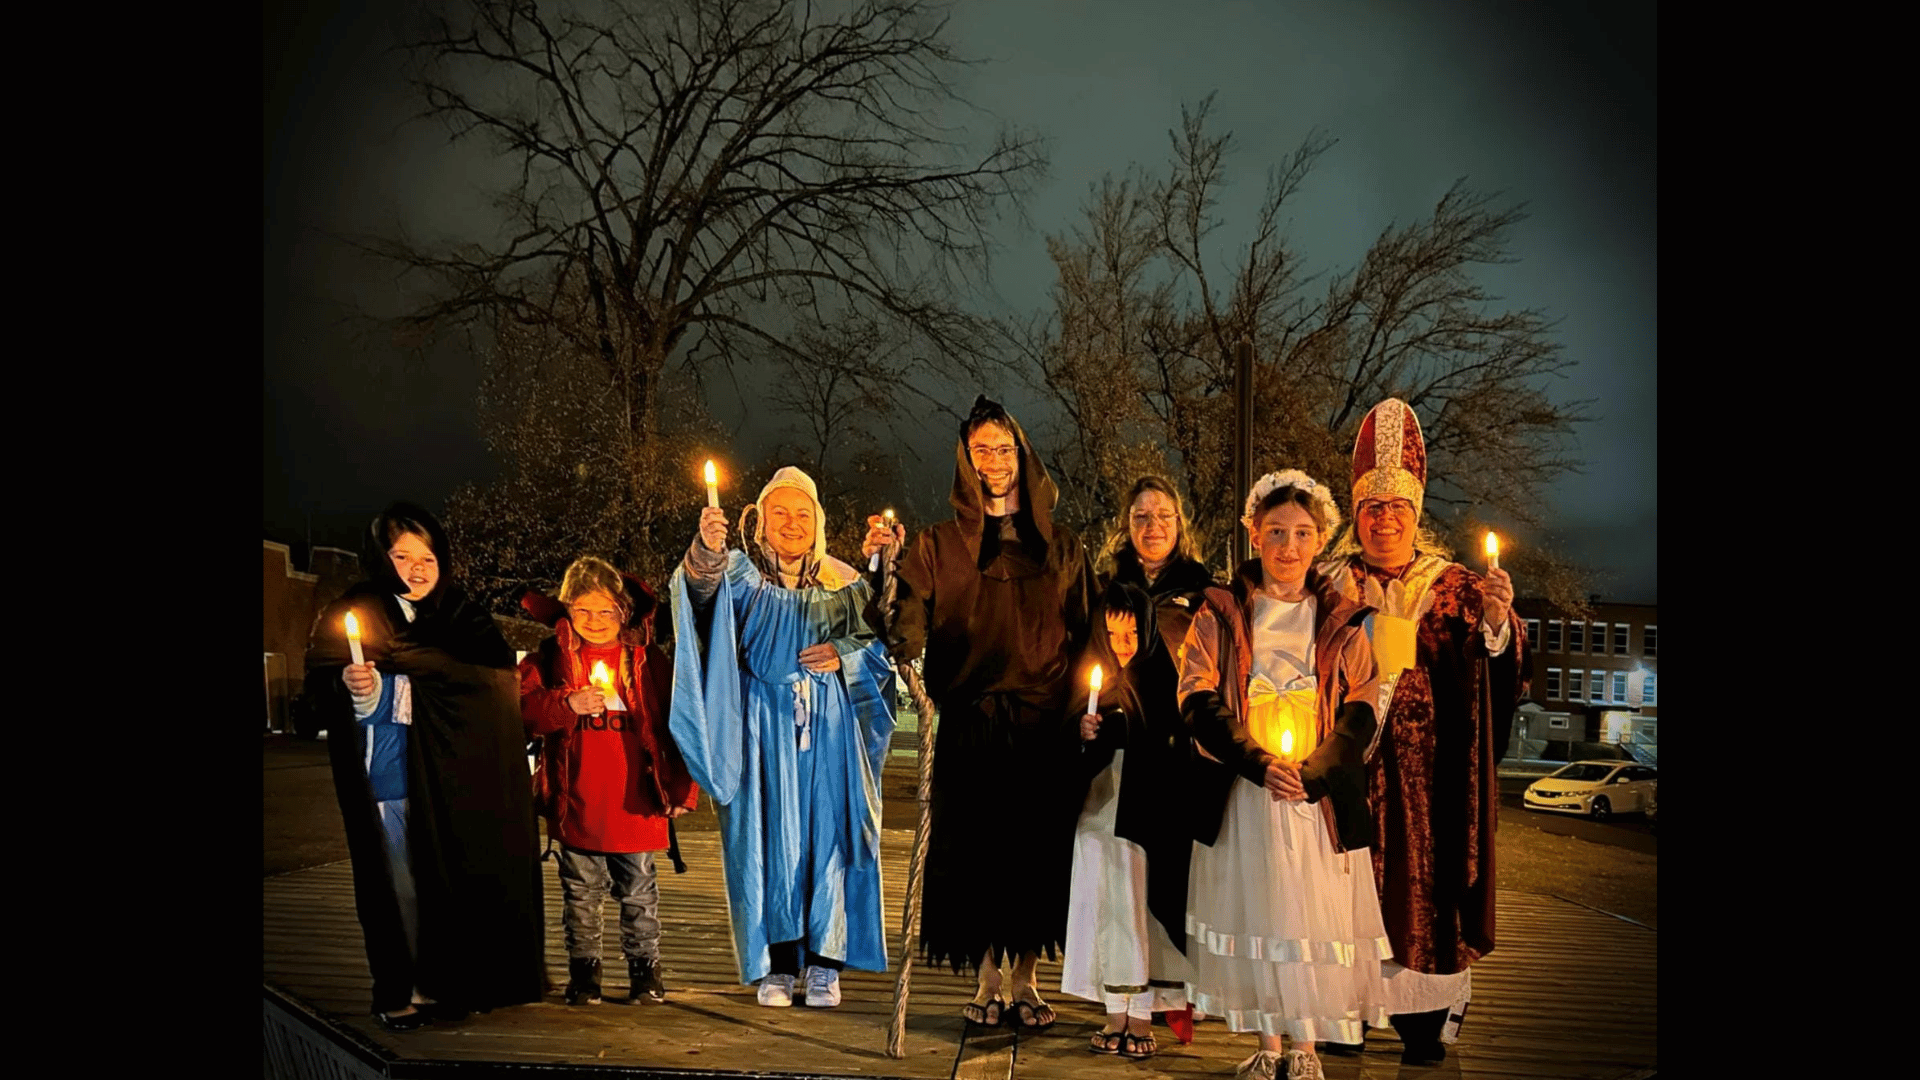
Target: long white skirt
1114	944
1285	933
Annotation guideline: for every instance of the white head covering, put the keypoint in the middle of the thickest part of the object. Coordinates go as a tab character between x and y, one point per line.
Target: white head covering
792	477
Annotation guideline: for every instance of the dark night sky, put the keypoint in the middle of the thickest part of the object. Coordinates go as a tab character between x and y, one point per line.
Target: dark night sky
1552	104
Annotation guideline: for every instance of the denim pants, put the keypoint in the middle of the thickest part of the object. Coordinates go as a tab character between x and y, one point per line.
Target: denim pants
585	877
393	840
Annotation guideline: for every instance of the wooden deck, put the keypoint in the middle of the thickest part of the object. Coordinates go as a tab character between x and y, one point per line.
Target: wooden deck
1570	993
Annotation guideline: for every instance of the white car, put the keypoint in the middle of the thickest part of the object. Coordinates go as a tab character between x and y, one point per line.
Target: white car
1599	788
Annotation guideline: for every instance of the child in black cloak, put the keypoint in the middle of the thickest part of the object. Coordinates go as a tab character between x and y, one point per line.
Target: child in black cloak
1118	953
430	769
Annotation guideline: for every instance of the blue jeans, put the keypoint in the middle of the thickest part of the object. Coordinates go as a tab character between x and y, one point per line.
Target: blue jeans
584	880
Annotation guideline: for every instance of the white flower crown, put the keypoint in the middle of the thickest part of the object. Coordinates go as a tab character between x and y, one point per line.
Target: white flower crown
1293	478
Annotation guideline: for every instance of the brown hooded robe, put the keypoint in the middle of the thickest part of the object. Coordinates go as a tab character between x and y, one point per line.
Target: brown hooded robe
999	606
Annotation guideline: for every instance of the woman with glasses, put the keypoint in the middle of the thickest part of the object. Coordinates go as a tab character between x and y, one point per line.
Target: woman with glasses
1132	851
423	728
595	694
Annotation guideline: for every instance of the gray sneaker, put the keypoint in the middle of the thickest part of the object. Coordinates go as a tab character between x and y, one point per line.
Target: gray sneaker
823	988
776	991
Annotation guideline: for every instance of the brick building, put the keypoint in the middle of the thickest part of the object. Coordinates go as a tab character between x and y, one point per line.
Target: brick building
1592	679
290	600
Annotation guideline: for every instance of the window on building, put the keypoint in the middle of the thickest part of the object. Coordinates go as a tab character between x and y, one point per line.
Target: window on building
1647	643
1619	639
1646	691
1553	684
1533	634
1597	640
1619	688
1576	636
1576	685
1553	635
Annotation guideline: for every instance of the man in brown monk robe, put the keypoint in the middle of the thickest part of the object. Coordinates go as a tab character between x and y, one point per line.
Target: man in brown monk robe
998	600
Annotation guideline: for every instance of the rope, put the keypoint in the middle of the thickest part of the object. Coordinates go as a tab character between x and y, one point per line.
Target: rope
917	867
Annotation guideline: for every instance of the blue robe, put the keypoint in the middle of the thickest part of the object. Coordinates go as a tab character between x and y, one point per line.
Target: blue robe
799	803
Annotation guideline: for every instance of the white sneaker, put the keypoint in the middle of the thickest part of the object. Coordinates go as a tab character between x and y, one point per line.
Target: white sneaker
1303	1066
776	991
823	988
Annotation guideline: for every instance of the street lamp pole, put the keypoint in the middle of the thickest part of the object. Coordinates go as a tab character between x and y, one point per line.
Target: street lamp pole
1242	443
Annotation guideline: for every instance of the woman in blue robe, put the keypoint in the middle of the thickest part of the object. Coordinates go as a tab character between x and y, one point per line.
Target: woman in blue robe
782	707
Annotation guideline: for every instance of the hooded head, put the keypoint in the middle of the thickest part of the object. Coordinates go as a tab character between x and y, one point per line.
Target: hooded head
789	517
406	570
969	498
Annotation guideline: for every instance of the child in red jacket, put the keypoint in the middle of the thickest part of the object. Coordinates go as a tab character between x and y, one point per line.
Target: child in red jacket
609	778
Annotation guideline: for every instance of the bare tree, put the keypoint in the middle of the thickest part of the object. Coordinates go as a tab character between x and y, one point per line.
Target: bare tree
1137	352
693	182
689	174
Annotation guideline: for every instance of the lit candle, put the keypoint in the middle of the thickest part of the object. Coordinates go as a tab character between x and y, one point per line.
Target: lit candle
1093	695
353	638
713	485
873	563
1286	745
1493	552
601	679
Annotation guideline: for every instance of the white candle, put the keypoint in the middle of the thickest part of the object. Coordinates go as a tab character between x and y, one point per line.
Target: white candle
602	680
713	486
353	638
1093	695
1493	552
873	563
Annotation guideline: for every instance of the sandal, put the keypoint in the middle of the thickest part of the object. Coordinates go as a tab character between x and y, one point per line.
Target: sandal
1106	1042
989	1014
1137	1047
1029	1017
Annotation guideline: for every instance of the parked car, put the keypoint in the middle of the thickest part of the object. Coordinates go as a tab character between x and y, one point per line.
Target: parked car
1598	788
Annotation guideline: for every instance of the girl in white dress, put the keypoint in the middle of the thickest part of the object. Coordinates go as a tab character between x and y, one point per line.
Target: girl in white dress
1117	953
1278	684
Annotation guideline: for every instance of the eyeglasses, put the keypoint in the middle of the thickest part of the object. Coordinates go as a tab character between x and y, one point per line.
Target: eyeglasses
988	453
1163	519
1381	507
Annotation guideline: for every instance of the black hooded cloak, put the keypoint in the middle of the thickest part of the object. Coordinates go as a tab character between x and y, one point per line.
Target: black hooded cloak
999	607
472	837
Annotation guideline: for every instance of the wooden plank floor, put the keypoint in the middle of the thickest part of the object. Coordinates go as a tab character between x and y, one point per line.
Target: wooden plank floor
1569	993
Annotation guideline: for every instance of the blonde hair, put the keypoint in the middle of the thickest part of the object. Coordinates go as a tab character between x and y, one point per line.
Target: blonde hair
590	574
1185	544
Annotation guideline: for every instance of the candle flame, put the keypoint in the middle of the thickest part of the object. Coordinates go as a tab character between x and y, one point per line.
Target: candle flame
1096	676
889	514
1286	743
600	677
353	626
1493	546
712	477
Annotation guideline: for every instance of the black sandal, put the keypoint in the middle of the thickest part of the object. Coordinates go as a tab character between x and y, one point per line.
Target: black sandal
1138	1047
1023	1011
975	1012
1106	1042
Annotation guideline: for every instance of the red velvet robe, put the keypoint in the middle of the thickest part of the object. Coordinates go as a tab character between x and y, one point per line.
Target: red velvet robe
1432	782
